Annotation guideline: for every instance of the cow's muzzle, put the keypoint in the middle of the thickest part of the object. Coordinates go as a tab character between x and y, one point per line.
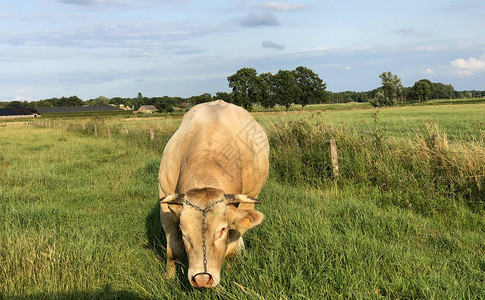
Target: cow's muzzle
202	280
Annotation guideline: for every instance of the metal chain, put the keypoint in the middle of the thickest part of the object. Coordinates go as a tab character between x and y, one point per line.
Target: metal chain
204	214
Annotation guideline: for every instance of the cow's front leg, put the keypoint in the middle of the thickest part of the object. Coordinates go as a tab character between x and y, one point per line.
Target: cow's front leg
175	246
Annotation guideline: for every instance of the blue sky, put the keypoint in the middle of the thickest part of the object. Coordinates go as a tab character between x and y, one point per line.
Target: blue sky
91	48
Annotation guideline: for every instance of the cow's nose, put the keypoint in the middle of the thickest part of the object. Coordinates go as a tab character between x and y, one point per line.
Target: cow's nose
202	280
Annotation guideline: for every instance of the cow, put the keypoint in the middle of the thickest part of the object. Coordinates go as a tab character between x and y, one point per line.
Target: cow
212	170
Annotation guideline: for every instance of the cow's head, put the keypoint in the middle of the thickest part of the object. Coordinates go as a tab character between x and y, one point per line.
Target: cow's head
209	221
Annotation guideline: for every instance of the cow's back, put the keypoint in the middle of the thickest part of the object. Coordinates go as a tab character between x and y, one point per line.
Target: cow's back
217	145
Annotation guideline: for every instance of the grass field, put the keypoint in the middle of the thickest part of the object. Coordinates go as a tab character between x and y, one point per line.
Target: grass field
405	219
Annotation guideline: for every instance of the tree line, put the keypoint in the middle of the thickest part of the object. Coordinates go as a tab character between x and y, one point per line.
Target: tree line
284	88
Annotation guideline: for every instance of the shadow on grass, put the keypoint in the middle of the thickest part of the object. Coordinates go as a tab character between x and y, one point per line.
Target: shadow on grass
158	243
155	234
106	292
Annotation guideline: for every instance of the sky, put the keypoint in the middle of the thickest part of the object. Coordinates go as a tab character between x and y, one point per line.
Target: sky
117	48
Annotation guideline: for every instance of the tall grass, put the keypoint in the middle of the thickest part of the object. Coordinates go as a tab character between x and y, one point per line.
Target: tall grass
427	173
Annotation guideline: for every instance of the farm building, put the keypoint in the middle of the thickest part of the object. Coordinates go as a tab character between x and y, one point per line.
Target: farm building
147	109
75	109
16	111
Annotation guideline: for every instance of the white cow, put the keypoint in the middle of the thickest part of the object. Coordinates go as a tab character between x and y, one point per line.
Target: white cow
212	169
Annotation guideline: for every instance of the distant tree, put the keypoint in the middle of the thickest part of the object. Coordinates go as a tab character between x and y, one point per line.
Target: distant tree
245	87
19	103
378	100
392	88
267	90
69	101
363	97
139	96
224	96
311	86
163	106
422	90
201	98
442	91
101	100
286	88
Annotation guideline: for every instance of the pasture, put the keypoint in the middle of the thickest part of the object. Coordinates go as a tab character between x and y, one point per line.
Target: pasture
405	218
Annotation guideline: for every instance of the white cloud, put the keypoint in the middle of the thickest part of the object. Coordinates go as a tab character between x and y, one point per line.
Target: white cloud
348	68
280	6
364	48
428	71
321	49
469	67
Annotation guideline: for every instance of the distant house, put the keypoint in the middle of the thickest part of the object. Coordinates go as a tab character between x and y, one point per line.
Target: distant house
148	109
187	104
17	111
76	109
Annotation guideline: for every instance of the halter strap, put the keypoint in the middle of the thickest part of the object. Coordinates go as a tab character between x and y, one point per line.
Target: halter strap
204	214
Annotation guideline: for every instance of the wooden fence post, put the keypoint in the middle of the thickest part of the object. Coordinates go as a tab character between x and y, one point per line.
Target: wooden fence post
152	137
84	127
95	130
334	157
109	134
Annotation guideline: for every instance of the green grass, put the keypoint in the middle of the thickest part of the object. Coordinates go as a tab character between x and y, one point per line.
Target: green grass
79	217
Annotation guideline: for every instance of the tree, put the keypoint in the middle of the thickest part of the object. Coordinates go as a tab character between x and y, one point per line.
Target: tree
286	88
392	88
442	91
422	90
201	98
267	90
71	101
101	100
245	87
163	106
363	97
311	86
224	96
378	100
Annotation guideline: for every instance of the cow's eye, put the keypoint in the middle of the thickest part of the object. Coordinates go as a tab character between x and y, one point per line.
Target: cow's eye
222	232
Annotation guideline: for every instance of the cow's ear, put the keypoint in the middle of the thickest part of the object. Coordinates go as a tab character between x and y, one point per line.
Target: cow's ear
175	210
175	204
173	199
246	219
